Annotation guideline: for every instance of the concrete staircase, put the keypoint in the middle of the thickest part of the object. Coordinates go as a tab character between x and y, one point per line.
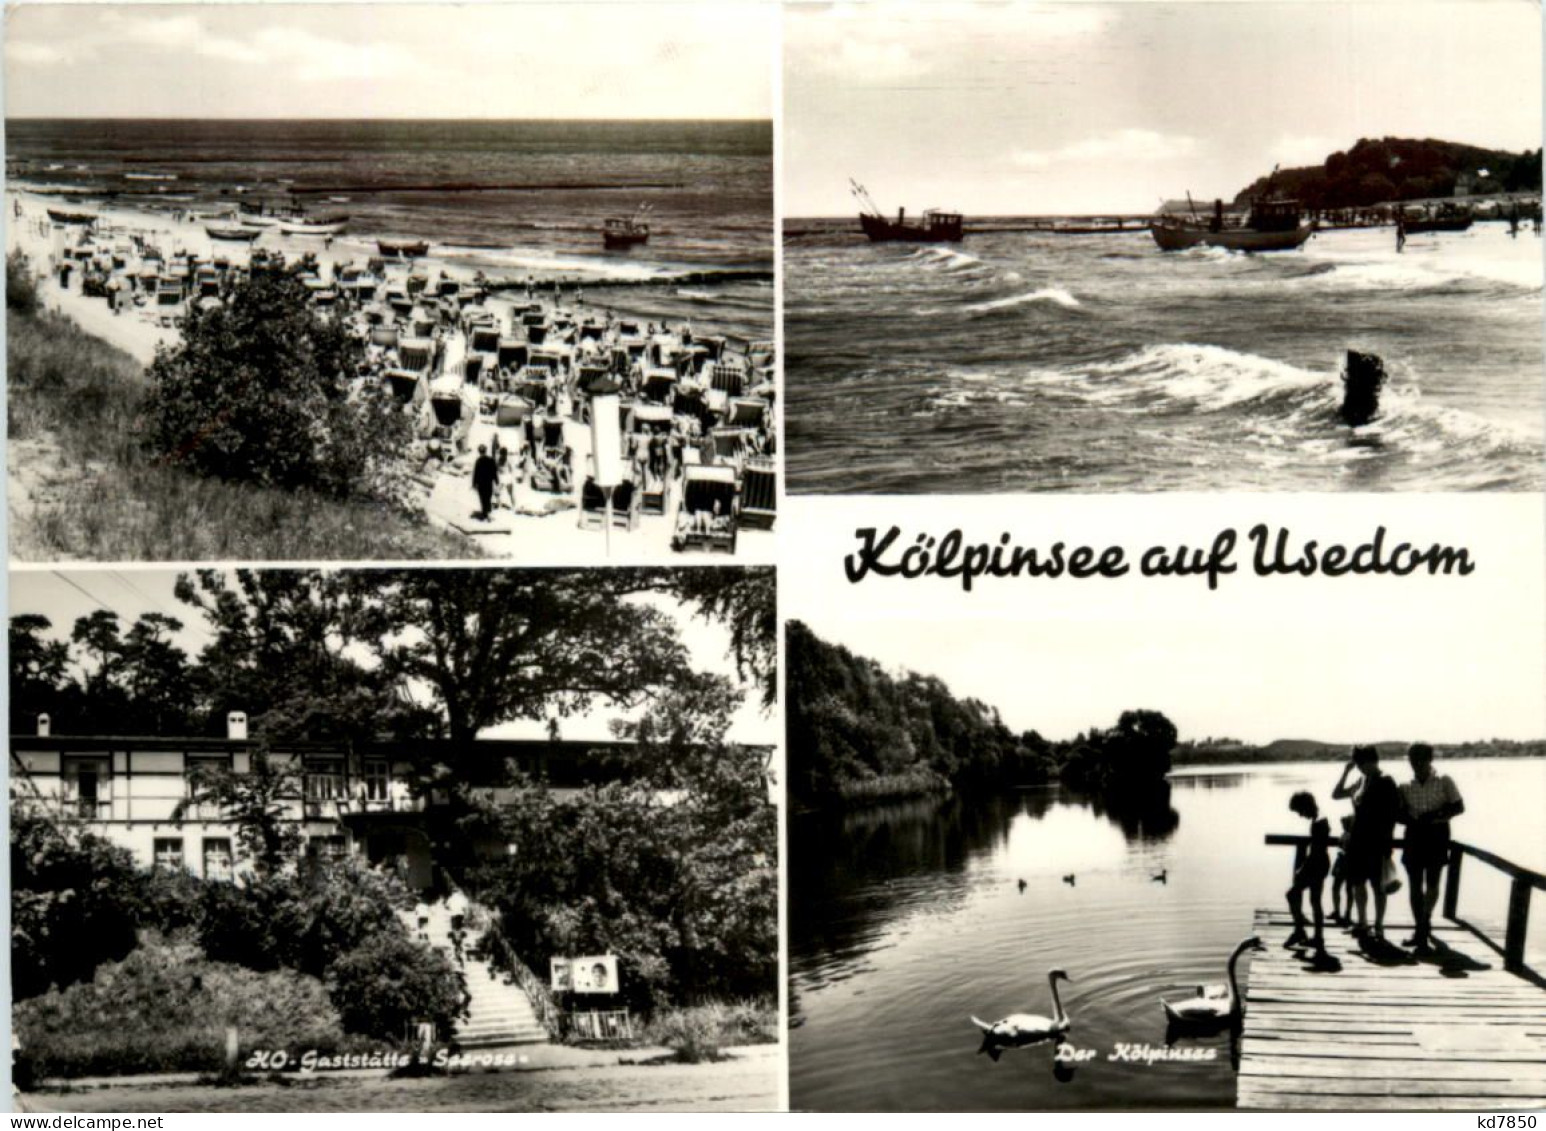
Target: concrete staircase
500	1012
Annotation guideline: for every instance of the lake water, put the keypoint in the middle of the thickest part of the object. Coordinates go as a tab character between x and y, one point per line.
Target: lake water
907	919
1020	361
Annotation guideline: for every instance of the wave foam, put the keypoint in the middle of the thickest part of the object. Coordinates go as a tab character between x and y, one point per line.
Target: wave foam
1046	294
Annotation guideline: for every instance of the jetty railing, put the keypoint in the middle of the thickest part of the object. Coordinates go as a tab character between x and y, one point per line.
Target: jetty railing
1523	882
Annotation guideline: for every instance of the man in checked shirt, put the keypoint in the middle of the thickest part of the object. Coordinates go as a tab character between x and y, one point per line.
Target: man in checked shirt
1428	802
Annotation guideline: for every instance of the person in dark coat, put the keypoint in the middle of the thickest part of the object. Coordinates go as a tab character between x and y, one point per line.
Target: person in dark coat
485	475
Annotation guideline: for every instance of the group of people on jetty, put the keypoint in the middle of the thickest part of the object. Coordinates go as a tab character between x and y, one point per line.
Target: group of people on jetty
1363	871
499	380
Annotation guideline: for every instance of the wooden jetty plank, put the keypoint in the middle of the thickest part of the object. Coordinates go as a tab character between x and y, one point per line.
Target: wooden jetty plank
1395	1037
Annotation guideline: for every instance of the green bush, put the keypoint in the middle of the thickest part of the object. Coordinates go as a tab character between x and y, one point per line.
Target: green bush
699	1033
260	390
165	1009
388	983
303	922
21	285
76	901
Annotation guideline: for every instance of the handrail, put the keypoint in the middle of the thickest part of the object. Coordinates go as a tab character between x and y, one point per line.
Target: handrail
502	956
1523	881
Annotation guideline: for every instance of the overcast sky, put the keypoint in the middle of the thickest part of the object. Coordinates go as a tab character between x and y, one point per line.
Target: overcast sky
64	595
514	60
1090	107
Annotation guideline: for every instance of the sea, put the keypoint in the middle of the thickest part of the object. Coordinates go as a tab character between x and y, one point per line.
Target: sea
514	199
1020	361
907	919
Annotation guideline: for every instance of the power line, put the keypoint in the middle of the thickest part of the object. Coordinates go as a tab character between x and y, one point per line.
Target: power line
81	591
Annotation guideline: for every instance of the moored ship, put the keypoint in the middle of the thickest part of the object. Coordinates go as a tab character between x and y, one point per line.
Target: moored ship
937	227
1274	223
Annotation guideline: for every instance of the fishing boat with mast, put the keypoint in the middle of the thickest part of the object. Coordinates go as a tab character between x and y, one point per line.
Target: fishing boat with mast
938	226
622	232
1274	223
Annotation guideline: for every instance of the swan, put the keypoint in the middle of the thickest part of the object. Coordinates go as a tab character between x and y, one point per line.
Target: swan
1023	885
1026	1028
1217	1002
1163	877
1069	879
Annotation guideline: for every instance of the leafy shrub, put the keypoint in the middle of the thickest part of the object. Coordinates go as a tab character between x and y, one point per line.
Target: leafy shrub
698	1033
76	901
304	922
260	390
165	1009
388	983
21	285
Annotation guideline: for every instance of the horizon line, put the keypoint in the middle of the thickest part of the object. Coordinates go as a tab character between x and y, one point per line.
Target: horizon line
384	118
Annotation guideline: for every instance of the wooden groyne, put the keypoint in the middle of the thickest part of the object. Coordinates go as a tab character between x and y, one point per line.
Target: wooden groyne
1383	1030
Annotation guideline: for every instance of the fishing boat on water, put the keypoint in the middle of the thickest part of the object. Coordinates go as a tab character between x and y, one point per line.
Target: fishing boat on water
402	249
937	227
1274	223
1448	218
237	232
622	232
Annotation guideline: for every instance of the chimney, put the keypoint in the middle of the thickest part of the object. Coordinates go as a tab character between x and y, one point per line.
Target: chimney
236	725
43	724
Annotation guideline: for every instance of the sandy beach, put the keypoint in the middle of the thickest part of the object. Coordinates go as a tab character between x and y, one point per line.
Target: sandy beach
542	527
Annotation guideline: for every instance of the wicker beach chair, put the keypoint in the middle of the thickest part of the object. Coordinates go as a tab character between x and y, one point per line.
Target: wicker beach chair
708	504
759	493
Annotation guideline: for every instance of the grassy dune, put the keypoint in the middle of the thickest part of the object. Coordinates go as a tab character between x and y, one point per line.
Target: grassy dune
82	487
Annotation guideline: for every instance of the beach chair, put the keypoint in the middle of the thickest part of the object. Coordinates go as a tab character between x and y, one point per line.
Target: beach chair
552	472
472	368
416	354
485	339
707	519
658	385
727	378
593	505
512	411
513	353
655	496
592	331
553	436
746	412
447	408
729	444
405	384
759	493
536	335
384	336
713	346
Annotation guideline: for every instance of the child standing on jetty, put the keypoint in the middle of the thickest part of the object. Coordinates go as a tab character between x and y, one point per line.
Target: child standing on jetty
1339	885
1310	876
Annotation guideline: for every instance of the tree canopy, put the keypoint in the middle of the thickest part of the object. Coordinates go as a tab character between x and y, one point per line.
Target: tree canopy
855	730
262	388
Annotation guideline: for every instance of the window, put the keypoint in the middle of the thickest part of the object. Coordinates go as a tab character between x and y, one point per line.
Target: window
218	864
324	779
169	854
86	787
378	779
326	848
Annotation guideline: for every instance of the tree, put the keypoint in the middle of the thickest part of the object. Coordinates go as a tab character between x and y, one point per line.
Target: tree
493	646
258	803
746	602
38	670
76	900
389	982
263	389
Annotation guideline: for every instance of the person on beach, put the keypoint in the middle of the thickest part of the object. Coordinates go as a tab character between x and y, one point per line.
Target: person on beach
1376	805
485	475
1310	876
506	486
1428	802
1400	231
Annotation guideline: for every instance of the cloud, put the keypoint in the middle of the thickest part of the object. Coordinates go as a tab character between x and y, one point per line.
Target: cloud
319	59
35	54
1123	145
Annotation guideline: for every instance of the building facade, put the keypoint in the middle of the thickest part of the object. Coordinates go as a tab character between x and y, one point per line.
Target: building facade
358	799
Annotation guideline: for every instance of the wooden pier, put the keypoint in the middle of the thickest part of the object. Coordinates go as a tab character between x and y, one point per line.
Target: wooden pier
1464	1029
